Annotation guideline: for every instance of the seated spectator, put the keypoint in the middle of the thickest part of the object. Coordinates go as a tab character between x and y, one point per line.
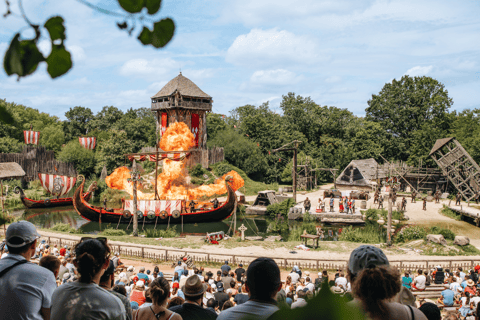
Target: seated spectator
447	297
106	282
227	305
461	273
51	263
294	276
134	305
439	276
221	296
431	311
233	287
300	284
175	277
120	289
142	275
300	300
290	298
428	279
159	291
470	288
148	299
455	286
85	299
374	283
407	281
63	269
212	305
419	281
179	269
62	251
176	301
475	299
157	272
226	279
240	297
25	288
310	286
193	306
341	281
138	293
55	250
263	283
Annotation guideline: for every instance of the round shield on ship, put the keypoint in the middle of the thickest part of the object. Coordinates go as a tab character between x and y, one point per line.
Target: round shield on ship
163	214
176	214
127	214
151	214
139	214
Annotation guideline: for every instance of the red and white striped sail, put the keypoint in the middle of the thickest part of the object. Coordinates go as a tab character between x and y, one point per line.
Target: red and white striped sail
56	184
88	142
31	137
156	206
176	156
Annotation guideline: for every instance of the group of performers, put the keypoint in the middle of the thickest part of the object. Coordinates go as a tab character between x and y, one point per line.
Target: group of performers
345	205
192	204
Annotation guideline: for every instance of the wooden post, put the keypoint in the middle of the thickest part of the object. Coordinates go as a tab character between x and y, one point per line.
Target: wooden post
295	173
166	255
143	253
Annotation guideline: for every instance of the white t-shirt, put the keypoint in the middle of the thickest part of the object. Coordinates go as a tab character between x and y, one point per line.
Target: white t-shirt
295	276
311	287
25	289
341	281
420	282
76	300
475	300
454	287
55	252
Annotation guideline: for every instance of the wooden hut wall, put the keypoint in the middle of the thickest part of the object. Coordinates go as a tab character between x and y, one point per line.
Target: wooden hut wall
38	159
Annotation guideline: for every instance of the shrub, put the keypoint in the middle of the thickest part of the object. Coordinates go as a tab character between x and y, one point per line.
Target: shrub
446	211
297	230
63	227
367	234
113	232
280	208
446	233
410	232
167	233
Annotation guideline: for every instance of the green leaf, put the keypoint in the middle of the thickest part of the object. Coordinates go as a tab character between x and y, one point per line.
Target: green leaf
132	6
5	116
145	36
163	31
153	6
59	61
22	57
56	28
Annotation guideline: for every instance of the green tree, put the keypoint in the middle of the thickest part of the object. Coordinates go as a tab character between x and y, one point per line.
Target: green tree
366	139
83	159
77	122
406	106
140	126
111	152
215	123
105	119
52	137
10	145
466	129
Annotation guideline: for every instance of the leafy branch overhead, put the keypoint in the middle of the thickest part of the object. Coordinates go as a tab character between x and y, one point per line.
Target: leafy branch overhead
23	56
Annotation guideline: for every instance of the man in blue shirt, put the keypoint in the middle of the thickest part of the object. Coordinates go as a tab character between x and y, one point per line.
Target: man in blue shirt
142	276
447	297
225	268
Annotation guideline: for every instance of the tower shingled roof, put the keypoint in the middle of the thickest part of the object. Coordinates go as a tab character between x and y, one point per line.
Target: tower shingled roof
185	86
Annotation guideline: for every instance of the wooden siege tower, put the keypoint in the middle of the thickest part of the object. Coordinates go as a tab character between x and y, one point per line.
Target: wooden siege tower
181	100
458	166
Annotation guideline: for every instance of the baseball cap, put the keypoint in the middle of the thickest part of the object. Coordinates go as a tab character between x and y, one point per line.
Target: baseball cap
366	256
21	233
220	287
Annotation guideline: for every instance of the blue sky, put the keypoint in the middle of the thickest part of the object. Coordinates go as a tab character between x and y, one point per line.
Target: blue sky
241	52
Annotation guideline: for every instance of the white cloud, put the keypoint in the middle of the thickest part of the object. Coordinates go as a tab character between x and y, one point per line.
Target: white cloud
273	77
342	90
155	69
266	47
419	71
78	54
333	79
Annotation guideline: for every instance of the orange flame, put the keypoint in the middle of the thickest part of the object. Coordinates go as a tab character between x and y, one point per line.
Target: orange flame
171	183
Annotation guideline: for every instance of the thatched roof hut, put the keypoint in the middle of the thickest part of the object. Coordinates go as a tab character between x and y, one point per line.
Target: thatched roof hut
184	86
361	173
10	170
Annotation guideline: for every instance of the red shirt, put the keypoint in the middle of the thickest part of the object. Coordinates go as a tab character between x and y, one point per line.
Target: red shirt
62	252
138	297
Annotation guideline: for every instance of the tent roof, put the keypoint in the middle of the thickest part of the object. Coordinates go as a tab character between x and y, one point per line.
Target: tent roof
185	86
368	170
10	170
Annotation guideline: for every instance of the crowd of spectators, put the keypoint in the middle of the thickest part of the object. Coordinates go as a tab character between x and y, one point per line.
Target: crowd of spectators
88	281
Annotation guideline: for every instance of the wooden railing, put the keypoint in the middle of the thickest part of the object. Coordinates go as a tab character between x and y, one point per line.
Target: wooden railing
171	255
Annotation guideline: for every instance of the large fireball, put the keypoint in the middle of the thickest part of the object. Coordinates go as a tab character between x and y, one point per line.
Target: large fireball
171	183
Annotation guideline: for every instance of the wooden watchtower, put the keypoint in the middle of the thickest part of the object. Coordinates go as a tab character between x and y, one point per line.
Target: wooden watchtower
181	100
458	166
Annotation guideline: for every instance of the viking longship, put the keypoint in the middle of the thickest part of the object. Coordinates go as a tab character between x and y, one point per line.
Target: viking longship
57	186
154	211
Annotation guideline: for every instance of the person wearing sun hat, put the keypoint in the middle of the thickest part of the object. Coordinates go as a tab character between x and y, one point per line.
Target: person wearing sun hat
26	288
193	306
374	283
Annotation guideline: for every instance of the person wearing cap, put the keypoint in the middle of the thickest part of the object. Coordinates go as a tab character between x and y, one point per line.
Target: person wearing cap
374	284
225	268
107	281
239	272
85	299
193	306
447	296
26	288
263	283
221	296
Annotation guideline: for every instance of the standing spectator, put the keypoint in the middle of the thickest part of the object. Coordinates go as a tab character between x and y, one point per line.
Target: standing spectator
300	300
225	268
431	311
193	306
374	284
220	295
447	297
85	299
239	272
263	283
419	281
307	205
26	289
407	281
106	282
159	291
